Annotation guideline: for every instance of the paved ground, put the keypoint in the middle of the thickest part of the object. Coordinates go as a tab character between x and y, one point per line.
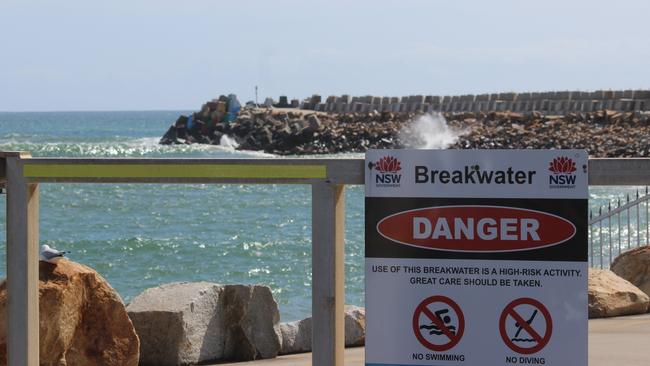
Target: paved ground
623	341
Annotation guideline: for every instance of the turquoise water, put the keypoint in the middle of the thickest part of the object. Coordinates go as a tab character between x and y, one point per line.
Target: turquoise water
139	236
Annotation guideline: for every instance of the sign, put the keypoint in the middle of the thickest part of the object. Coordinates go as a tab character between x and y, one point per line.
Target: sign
476	257
435	328
526	330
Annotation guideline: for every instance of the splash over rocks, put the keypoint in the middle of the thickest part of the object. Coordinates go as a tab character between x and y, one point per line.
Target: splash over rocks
603	133
428	131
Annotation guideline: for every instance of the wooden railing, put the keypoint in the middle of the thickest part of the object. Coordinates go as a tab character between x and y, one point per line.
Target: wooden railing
21	175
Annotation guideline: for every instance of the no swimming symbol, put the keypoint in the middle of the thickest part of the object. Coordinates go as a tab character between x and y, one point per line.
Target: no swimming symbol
438	323
525	325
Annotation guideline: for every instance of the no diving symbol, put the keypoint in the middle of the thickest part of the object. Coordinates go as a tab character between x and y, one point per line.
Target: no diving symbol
525	326
438	323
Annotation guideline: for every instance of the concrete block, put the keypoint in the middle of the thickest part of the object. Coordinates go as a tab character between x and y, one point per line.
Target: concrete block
642	94
544	105
597	105
524	96
345	99
483	98
315	99
563	95
598	94
507	96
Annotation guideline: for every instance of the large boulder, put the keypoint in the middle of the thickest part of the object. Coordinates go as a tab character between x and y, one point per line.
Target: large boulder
610	295
179	323
251	323
83	321
296	336
187	323
634	266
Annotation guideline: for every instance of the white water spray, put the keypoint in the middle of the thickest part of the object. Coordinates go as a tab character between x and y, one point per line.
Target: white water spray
228	142
429	131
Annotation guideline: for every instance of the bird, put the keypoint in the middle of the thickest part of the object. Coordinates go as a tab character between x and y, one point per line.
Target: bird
51	255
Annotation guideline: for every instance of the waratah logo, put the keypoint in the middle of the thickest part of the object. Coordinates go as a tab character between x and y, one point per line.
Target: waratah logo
387	172
563	170
388	164
562	165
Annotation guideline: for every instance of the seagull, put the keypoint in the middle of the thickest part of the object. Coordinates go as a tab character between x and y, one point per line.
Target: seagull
50	255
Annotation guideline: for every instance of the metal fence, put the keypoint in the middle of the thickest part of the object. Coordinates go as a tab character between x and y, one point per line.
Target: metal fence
621	225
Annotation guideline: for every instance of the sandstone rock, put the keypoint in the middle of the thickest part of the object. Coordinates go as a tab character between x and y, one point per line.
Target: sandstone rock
355	325
296	336
82	319
185	323
610	295
634	266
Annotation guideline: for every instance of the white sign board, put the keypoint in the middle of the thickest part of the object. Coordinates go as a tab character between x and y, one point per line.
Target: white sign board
476	257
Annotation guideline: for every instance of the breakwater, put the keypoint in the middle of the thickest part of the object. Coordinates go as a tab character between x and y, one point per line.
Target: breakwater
551	102
281	131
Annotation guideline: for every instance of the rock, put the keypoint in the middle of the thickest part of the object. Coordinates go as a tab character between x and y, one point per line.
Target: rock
314	122
186	323
610	295
82	319
634	266
296	336
355	326
251	321
170	137
179	323
602	133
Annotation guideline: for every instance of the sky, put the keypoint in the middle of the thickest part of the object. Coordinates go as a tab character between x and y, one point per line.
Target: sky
174	55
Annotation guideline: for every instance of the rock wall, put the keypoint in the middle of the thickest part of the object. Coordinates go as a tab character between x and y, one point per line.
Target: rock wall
552	103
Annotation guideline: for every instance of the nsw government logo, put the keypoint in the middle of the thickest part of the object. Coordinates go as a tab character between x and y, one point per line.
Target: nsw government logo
562	174
387	172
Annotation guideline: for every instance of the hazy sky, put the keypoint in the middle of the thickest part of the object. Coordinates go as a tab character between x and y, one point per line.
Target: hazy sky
163	54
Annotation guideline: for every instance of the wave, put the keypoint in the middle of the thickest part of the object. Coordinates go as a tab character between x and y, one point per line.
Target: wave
127	147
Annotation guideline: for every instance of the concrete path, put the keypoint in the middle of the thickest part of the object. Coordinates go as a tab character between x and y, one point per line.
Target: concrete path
621	341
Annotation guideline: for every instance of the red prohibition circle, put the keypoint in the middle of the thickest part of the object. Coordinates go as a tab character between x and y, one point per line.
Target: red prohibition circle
453	338
509	310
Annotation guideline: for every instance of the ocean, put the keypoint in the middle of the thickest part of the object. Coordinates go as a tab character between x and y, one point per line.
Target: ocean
139	236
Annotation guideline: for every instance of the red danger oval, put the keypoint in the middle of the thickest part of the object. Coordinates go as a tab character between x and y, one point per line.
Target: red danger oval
476	228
